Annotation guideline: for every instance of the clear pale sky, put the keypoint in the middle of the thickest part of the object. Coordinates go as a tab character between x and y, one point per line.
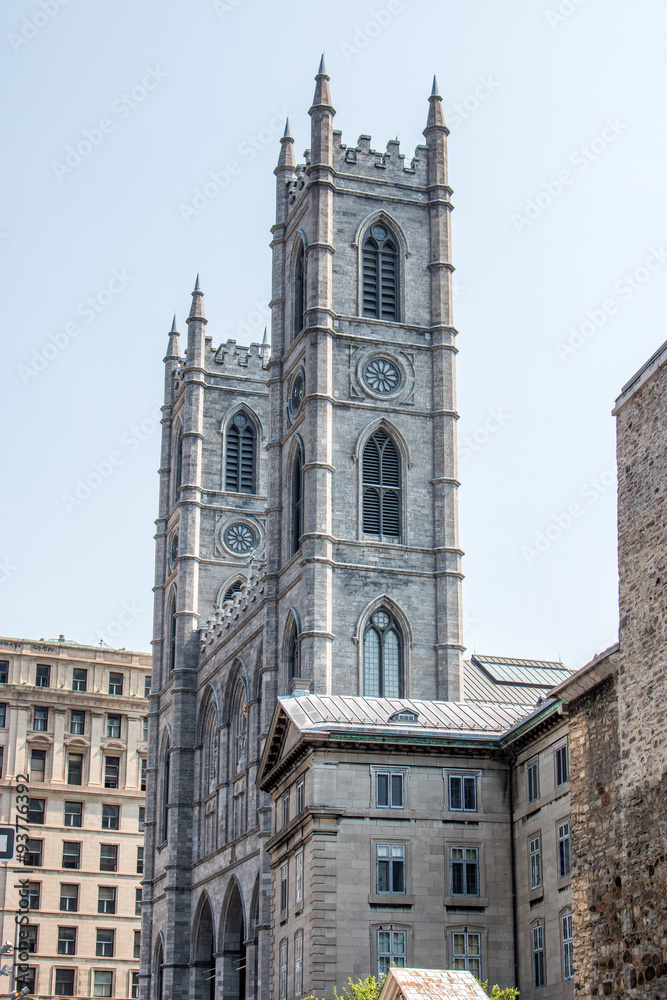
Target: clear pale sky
558	158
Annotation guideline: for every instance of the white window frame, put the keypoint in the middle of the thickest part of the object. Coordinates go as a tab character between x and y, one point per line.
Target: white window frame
300	794
284	888
298	963
535	855
466	959
298	878
564	849
283	970
464	860
389	774
562	762
462	776
567	940
533	779
395	954
539	956
395	854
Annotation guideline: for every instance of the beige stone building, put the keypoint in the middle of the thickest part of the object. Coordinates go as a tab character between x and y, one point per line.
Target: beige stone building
73	721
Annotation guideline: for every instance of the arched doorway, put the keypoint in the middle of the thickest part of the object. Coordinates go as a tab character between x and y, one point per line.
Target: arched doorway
158	972
233	946
204	954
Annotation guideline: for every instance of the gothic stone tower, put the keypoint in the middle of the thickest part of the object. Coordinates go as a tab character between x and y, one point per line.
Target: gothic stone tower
307	534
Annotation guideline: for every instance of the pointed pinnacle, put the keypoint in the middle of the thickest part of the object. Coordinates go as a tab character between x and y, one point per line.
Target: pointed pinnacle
173	326
322	96
197	307
173	349
286	157
322	70
436	117
435	92
264	339
287	134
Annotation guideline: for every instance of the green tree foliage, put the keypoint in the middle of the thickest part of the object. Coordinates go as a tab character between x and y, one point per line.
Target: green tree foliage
363	989
509	993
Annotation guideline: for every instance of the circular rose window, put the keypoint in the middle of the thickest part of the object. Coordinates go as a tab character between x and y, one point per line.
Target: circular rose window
296	396
381	376
240	538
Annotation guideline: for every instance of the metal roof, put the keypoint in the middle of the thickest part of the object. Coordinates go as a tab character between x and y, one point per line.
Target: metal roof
431	984
329	713
535	673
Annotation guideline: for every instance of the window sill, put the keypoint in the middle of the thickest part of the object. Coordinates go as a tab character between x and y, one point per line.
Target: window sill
474	901
389	898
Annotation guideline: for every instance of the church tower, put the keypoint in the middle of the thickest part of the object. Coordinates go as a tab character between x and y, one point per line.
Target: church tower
307	535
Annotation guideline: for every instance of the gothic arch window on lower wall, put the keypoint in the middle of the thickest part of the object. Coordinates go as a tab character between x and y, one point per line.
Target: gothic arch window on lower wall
240	454
383	656
379	273
234	588
381	488
297	502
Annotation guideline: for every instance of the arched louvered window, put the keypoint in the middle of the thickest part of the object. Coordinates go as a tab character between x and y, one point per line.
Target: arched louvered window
300	291
379	267
178	463
240	455
164	819
234	589
383	657
381	486
171	626
297	502
293	664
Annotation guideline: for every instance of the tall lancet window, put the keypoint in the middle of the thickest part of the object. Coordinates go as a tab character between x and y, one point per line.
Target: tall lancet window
294	666
383	657
240	455
171	626
381	488
300	291
297	502
379	267
178	463
240	730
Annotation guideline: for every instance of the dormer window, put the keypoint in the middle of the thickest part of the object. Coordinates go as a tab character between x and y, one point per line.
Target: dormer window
411	718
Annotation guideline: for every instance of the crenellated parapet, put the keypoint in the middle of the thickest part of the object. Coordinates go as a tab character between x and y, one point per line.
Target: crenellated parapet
232	355
244	602
388	164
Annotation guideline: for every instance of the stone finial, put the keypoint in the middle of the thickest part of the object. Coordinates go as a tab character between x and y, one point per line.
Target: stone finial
436	116
286	160
173	347
322	98
197	307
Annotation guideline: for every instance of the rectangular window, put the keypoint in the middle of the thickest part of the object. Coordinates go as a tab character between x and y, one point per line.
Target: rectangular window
142	819
568	946
36	810
115	683
34	895
64	983
147	685
535	848
137	901
113	727
562	769
69	897
71	854
463	792
40	719
3	714
2	760
33	856
137	944
43	675
467	952
298	963
539	968
106	899
67	940
389	790
29	937
143	773
533	776
37	765
134	985
75	769
283	889
108	858
283	970
563	850
79	679
144	728
285	808
104	943
464	871
299	795
73	813
391	951
110	817
4	671
77	723
140	861
102	983
298	878
390	868
111	772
